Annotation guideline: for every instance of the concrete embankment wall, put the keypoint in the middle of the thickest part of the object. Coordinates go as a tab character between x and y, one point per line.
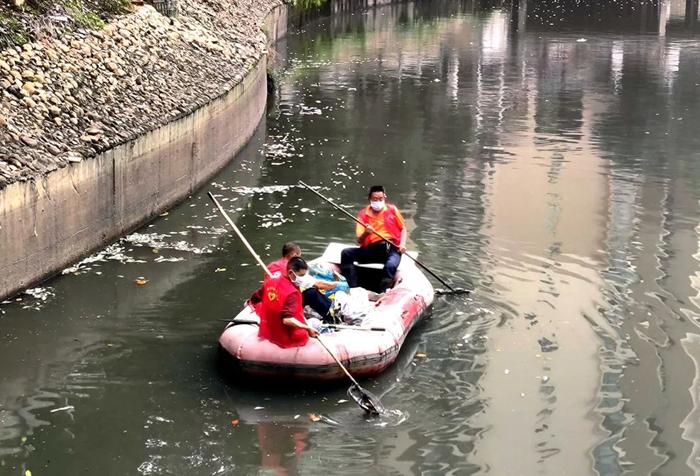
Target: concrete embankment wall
53	221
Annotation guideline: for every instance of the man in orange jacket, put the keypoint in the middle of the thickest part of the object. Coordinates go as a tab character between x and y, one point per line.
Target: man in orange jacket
278	302
385	219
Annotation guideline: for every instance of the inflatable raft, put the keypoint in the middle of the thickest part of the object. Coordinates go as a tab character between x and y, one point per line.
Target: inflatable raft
363	352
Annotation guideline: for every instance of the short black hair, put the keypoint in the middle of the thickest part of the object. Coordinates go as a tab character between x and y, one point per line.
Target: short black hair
376	188
289	248
297	264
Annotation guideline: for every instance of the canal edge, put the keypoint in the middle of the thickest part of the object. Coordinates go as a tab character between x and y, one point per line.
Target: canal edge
51	222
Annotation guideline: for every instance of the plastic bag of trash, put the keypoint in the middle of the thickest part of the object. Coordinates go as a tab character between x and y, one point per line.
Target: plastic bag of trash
324	272
352	306
321	271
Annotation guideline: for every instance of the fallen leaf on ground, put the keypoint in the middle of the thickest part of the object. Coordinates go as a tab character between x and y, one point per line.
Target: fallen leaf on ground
314	417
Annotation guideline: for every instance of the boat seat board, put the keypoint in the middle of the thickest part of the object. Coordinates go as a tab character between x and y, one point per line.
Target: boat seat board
333	250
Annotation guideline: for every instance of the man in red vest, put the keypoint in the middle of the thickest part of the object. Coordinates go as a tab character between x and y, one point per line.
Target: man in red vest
279	305
385	219
289	251
310	287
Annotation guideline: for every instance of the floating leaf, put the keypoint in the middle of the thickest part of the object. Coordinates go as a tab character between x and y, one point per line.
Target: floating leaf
421	355
314	417
140	281
219	270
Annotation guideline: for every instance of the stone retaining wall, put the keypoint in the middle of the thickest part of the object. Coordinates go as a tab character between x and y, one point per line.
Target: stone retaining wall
52	221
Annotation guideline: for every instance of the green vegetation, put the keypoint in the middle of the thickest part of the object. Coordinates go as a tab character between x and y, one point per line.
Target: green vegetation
83	16
307	4
36	19
11	31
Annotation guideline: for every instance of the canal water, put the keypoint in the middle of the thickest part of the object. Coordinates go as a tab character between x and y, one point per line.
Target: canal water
547	157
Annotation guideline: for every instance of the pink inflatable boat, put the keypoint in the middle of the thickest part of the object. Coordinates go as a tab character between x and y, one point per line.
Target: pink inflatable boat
363	352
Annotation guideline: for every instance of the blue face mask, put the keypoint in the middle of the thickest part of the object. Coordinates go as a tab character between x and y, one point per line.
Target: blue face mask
376	205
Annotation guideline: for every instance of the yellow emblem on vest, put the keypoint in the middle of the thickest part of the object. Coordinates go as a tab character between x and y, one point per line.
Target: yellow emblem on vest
272	294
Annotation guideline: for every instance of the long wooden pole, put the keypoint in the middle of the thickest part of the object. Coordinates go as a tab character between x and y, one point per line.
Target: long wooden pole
368	404
240	235
351	216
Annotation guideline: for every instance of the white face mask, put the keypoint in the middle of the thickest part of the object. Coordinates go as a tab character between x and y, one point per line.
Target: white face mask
298	280
376	205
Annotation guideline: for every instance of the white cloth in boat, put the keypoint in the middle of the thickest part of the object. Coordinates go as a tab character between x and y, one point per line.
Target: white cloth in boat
352	307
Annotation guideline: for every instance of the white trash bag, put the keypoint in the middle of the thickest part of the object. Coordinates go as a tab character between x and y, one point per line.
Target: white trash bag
352	307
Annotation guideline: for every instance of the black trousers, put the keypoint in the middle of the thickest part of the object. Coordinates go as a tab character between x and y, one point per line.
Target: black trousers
380	252
317	301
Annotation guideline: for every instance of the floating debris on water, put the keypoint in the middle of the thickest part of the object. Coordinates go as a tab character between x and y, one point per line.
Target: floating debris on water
547	345
253	190
114	252
314	417
38	296
163	259
273	220
309	110
161	241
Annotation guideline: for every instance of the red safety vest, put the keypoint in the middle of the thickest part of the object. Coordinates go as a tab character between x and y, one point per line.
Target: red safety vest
391	222
275	293
279	266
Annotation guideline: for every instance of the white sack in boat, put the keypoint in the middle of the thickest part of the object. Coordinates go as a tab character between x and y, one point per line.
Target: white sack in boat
352	307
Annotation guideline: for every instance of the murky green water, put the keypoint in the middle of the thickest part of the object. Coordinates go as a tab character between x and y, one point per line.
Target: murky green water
554	166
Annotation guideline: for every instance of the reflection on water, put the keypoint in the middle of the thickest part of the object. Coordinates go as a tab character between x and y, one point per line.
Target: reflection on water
538	156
